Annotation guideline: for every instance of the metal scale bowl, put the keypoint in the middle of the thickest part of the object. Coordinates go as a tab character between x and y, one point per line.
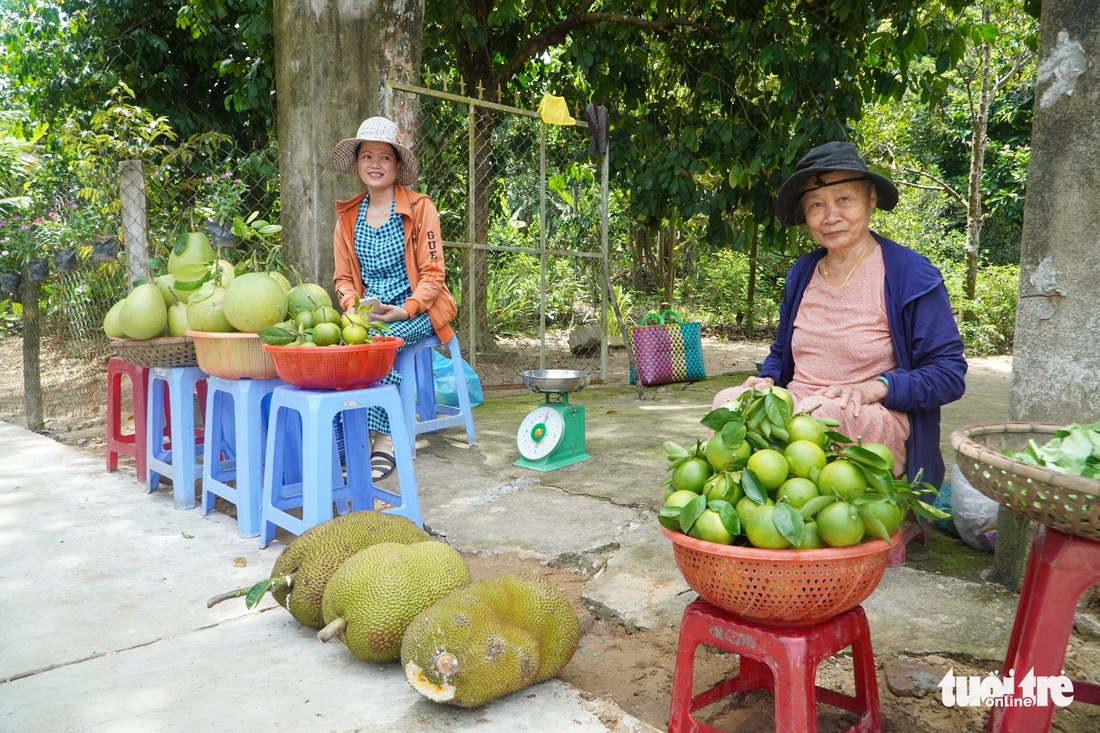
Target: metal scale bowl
552	435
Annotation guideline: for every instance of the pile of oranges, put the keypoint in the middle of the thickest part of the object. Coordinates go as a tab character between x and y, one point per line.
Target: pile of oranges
775	479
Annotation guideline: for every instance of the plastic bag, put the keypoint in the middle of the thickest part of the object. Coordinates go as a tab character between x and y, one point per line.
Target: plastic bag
975	514
446	393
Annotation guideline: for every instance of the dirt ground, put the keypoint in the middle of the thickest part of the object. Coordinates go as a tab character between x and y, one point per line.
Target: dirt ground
635	669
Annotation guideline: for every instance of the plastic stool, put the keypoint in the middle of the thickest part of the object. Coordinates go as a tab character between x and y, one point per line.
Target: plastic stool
414	363
131	444
1061	568
321	483
780	659
235	439
170	405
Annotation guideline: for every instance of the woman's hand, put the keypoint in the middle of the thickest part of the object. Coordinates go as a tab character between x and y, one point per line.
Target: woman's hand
758	382
388	313
863	393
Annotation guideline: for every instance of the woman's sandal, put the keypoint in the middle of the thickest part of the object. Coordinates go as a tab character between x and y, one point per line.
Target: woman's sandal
381	465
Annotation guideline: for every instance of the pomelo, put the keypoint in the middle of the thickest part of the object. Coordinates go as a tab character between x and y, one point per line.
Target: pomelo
307	297
204	310
177	319
165	283
143	314
110	321
197	250
279	278
254	302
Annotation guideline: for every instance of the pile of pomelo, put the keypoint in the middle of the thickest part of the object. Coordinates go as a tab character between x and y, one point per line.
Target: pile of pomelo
774	479
203	292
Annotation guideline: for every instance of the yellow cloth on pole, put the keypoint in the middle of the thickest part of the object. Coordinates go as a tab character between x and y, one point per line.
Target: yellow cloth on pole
554	111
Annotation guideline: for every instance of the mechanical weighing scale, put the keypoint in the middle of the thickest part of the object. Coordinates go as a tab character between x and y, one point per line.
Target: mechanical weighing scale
552	435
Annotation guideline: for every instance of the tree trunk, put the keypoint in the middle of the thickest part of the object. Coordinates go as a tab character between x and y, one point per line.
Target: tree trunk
32	334
332	60
750	289
1056	355
978	143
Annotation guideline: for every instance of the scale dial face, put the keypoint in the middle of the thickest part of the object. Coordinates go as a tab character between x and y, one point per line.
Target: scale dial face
540	433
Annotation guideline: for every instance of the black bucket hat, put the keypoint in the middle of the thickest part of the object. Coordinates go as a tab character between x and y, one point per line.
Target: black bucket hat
829	158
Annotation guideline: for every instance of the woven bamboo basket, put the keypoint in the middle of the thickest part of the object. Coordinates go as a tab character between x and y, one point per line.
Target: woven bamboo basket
1063	502
158	352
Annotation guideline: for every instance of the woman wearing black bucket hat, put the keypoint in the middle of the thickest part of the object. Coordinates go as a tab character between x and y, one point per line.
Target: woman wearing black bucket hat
865	327
387	247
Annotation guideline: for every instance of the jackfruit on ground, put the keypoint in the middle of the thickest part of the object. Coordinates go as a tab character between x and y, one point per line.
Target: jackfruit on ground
375	593
315	555
489	639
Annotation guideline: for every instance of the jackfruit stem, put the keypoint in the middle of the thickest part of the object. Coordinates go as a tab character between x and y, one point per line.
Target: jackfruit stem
334	629
272	583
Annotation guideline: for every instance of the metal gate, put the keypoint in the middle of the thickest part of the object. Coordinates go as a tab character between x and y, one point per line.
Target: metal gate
524	213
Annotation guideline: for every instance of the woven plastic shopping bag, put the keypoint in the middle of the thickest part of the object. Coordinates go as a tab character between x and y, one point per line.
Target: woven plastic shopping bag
667	350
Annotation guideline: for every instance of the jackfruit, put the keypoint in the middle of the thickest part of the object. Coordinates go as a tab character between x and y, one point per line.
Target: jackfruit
373	595
489	639
302	570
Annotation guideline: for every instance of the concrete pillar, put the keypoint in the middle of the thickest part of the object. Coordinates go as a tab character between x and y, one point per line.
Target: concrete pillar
332	58
1056	359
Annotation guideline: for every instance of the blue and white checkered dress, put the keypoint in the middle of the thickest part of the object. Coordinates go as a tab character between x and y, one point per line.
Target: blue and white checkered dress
381	253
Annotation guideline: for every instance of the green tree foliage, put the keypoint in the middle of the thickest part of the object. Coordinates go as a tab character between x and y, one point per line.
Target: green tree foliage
65	58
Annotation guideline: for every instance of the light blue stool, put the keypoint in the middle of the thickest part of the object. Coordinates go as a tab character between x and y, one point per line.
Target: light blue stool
179	460
321	481
414	363
235	442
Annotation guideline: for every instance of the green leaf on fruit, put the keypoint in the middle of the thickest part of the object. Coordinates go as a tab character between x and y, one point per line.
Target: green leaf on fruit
256	592
674	450
716	420
277	336
874	525
669	518
728	515
777	409
752	486
733	433
814	505
691	512
837	437
789	523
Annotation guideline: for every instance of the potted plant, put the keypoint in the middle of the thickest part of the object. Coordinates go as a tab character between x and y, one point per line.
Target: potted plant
23	240
221	201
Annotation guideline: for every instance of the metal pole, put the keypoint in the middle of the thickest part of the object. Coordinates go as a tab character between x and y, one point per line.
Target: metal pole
605	288
542	244
471	257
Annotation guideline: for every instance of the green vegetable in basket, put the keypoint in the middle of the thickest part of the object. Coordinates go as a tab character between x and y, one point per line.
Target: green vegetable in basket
1074	449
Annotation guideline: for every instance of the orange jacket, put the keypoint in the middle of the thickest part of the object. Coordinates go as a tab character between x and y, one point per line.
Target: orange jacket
423	258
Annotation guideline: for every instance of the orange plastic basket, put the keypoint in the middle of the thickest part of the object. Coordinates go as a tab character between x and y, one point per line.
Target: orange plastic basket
232	355
335	367
781	587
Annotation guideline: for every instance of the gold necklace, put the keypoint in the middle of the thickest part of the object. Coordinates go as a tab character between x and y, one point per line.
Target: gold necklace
851	272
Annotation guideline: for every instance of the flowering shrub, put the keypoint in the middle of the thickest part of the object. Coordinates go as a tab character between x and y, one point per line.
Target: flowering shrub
22	239
222	197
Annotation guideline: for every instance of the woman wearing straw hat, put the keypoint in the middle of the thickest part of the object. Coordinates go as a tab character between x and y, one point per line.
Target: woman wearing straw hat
388	248
865	326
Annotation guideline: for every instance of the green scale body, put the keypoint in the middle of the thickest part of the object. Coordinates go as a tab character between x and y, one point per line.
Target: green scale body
552	435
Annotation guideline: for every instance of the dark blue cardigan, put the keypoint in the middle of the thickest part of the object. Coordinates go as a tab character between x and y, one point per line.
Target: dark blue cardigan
928	349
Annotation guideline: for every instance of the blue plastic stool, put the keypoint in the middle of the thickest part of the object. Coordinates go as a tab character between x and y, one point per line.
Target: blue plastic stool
321	482
179	460
414	363
235	441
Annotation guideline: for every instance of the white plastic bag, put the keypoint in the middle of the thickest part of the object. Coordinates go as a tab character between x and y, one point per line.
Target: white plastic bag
974	514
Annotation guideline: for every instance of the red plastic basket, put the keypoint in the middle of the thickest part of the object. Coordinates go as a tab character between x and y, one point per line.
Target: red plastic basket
781	587
335	367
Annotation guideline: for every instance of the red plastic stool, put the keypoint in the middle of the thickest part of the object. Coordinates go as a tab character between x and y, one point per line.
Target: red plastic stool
1061	568
780	659
131	444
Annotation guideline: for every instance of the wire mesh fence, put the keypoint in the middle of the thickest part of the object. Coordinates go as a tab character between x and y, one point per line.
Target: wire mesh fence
521	205
522	210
